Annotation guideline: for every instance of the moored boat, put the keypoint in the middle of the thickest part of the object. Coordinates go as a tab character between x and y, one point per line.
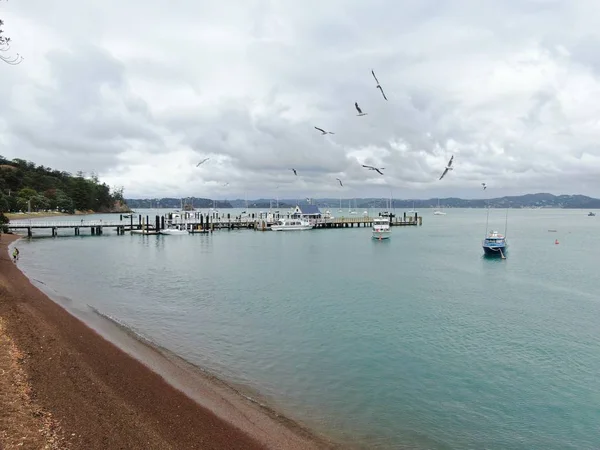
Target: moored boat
174	230
591	214
495	244
291	225
381	228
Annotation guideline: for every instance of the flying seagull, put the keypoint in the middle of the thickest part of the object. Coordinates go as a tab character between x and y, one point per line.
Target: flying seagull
294	170
378	170
202	162
323	131
340	182
448	167
360	113
484	186
378	85
226	184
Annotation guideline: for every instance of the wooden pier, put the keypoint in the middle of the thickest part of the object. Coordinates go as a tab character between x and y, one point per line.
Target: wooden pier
195	223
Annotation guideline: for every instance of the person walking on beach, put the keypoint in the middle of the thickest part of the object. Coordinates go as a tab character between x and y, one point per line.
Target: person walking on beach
15	254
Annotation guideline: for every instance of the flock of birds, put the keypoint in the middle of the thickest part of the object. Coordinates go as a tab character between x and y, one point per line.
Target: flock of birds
376	169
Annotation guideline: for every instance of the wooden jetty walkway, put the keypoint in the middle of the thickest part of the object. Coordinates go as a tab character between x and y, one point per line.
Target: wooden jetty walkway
194	222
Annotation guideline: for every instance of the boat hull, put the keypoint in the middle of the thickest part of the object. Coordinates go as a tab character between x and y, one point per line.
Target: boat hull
173	232
381	236
496	250
144	232
291	228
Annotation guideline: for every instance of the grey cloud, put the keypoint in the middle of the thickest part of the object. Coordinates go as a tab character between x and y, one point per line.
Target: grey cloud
491	82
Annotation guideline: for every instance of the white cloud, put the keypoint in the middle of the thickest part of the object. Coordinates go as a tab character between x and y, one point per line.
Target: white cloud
140	92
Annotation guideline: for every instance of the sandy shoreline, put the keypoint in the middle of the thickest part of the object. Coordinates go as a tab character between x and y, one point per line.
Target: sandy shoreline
69	387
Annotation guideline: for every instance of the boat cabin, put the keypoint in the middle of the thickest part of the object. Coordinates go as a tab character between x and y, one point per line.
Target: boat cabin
494	238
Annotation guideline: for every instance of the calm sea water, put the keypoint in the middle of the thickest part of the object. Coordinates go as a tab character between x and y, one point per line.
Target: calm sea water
416	342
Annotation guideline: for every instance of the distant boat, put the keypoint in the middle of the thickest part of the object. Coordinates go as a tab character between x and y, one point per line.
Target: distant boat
350	209
174	230
438	211
591	214
412	211
381	228
147	232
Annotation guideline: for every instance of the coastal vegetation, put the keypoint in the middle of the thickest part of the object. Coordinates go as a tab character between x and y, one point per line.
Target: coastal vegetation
24	186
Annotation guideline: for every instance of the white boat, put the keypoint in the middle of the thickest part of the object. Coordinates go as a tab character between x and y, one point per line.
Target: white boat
145	232
351	210
381	228
291	225
438	211
174	230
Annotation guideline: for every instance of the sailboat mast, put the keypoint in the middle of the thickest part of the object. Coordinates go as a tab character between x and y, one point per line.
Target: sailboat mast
487	219
506	223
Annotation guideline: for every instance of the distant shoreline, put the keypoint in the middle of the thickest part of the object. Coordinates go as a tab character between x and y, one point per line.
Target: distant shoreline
72	373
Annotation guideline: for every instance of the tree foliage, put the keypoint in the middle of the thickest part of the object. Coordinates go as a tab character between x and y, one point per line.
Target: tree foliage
24	185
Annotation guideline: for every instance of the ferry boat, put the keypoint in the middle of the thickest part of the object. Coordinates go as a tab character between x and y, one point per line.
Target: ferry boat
291	225
495	244
591	214
381	228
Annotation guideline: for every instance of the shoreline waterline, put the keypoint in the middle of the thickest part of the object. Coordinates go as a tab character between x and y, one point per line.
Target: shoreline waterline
236	405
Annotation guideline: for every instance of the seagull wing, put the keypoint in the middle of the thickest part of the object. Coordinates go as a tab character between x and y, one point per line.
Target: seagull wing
374	76
357	107
450	162
320	129
202	162
340	181
443	174
382	93
369	167
379	171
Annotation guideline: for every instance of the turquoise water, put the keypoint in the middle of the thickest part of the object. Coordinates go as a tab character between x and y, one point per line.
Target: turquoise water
418	342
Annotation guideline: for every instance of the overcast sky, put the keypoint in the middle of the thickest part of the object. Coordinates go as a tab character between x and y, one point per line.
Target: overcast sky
139	92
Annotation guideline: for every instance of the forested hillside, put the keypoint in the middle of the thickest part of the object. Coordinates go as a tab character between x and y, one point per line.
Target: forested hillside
25	186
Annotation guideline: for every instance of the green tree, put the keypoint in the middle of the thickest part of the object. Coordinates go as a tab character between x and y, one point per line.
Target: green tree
23	181
64	203
25	196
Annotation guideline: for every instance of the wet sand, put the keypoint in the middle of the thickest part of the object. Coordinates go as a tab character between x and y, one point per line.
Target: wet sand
63	385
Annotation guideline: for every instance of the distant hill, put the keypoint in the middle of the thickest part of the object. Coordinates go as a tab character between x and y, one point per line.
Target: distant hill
541	200
175	203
